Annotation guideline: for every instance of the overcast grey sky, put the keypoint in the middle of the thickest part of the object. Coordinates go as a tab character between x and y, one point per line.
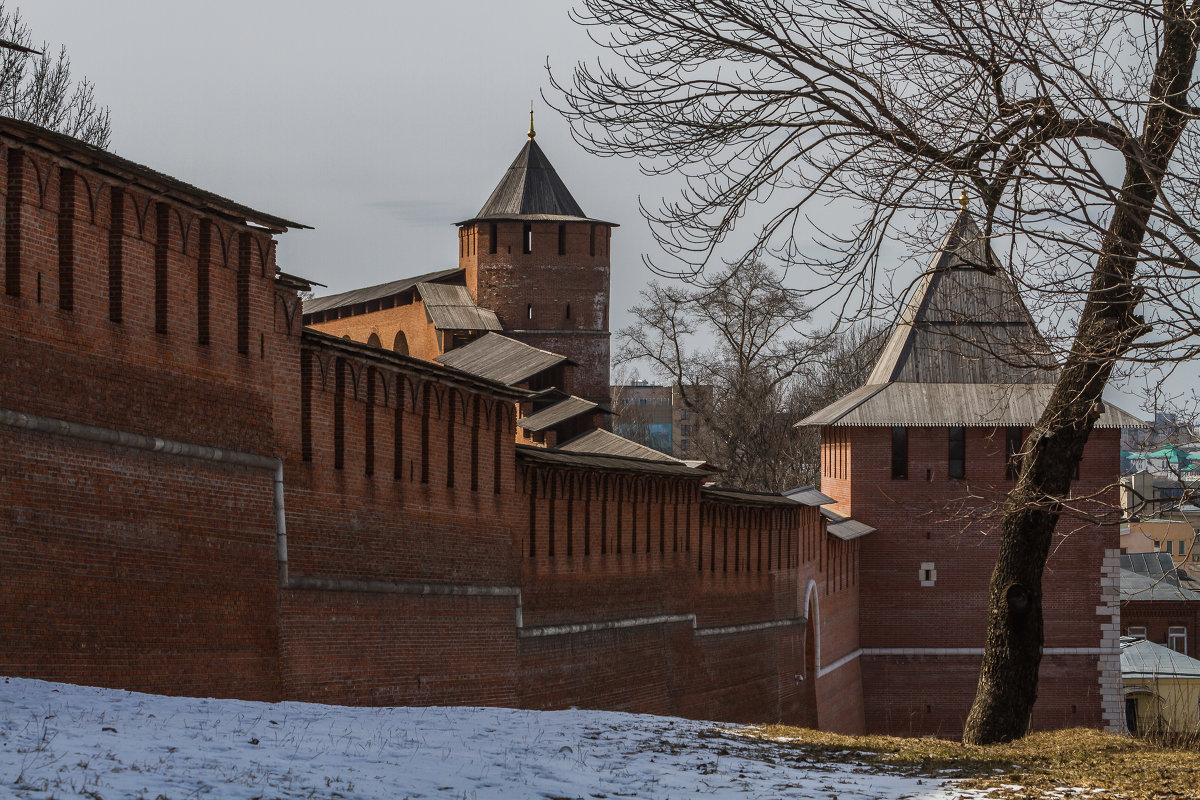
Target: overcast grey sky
380	124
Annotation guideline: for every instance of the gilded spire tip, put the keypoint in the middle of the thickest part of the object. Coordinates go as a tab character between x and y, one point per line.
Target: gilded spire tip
532	132
962	200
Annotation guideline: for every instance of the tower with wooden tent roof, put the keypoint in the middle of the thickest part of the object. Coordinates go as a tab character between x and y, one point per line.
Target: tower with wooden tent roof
532	266
541	264
924	453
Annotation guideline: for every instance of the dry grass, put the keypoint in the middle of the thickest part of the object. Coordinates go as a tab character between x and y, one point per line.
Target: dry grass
1032	767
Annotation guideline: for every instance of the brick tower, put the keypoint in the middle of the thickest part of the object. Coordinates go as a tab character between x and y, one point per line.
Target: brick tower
532	256
924	453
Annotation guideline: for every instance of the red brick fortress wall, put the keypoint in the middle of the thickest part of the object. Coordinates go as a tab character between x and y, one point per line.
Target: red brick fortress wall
402	580
642	593
130	310
201	497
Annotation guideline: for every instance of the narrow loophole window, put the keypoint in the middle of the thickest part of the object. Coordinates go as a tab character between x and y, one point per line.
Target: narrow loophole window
958	452
527	238
899	453
492	237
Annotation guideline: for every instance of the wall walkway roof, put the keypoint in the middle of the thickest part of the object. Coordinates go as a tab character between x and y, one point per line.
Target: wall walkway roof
376	292
558	413
499	358
450	307
599	440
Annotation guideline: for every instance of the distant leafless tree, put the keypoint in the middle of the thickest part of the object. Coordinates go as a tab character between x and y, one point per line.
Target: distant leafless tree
845	361
1071	122
38	88
747	368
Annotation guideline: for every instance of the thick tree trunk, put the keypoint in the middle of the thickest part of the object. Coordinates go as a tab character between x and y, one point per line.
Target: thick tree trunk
1008	678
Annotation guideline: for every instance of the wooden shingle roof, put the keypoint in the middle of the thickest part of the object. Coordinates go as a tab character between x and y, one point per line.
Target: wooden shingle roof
378	291
946	404
965	322
558	413
450	307
601	442
499	358
613	463
964	351
75	151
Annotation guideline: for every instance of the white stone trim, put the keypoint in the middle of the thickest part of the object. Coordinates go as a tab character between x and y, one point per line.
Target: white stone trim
974	651
841	662
1109	678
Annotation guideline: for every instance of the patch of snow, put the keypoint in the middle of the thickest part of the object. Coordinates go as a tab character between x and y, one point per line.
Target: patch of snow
64	741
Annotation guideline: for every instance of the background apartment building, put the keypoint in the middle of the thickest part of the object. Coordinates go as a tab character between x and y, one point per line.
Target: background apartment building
657	417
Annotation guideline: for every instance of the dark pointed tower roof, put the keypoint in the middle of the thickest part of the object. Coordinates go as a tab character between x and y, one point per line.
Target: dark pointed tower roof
531	186
964	351
532	190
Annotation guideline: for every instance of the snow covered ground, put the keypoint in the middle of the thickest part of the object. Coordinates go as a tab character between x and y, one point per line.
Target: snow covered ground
63	741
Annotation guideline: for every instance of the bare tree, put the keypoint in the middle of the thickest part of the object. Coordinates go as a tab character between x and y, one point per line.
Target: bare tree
737	348
845	361
1071	120
37	87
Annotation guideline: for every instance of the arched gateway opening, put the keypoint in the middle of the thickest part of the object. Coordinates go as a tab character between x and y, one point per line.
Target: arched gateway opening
812	658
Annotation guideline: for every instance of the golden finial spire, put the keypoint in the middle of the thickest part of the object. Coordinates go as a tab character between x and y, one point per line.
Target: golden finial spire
532	132
962	200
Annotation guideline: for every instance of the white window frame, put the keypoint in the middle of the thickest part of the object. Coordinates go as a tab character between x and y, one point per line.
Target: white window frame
1136	630
1177	634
